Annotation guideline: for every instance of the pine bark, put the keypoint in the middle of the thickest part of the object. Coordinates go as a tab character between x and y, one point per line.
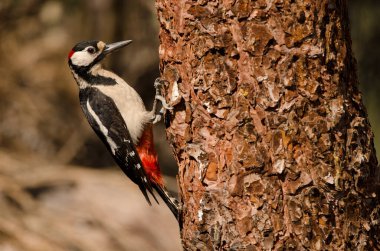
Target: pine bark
272	139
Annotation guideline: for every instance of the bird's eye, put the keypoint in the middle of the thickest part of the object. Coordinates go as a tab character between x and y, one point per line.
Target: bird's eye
91	50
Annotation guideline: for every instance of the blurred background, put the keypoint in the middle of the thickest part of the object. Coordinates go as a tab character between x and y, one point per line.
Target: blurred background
59	189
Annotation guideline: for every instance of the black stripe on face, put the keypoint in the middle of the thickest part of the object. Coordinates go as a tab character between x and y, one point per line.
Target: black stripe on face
84	71
82	45
97	79
85	74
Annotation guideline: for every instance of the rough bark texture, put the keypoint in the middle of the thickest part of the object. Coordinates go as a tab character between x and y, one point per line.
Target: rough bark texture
272	140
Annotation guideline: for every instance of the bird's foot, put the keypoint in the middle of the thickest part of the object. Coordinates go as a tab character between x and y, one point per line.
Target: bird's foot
158	97
156	118
163	102
158	83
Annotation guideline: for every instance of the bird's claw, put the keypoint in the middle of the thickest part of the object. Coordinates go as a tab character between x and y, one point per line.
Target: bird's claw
158	83
163	102
156	118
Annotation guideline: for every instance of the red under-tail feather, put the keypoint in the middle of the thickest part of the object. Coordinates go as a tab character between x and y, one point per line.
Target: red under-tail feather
148	156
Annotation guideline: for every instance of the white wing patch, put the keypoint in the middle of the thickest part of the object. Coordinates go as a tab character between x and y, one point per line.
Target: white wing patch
104	130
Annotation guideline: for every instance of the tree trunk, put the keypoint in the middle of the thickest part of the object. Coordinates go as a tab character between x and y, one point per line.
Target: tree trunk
272	140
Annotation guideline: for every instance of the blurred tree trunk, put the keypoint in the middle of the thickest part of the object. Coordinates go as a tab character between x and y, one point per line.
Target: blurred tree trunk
273	143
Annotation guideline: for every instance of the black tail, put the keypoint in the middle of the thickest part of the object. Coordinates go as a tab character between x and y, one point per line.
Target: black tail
172	203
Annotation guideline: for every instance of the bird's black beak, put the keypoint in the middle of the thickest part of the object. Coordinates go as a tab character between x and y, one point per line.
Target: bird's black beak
115	46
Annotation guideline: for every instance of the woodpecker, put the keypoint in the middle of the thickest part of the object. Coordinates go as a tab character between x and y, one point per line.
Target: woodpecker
118	116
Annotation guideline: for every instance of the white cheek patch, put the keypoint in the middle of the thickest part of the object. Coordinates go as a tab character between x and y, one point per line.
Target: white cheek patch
83	58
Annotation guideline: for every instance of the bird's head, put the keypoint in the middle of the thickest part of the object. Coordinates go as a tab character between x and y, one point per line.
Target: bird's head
84	55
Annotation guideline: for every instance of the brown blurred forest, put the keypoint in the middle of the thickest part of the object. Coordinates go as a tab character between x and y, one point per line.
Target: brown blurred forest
59	189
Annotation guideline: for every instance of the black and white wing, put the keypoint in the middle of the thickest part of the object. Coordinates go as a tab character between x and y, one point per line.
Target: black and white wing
107	122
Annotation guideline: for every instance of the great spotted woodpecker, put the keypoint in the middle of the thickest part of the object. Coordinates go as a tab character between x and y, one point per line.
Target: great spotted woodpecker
118	116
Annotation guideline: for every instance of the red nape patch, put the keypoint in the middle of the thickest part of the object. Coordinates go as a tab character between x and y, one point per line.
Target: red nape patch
70	54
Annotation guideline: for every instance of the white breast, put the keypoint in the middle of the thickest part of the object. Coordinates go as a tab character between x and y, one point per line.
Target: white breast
129	103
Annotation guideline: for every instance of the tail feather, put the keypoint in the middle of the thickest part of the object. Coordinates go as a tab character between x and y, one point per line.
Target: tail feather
171	202
148	156
144	188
